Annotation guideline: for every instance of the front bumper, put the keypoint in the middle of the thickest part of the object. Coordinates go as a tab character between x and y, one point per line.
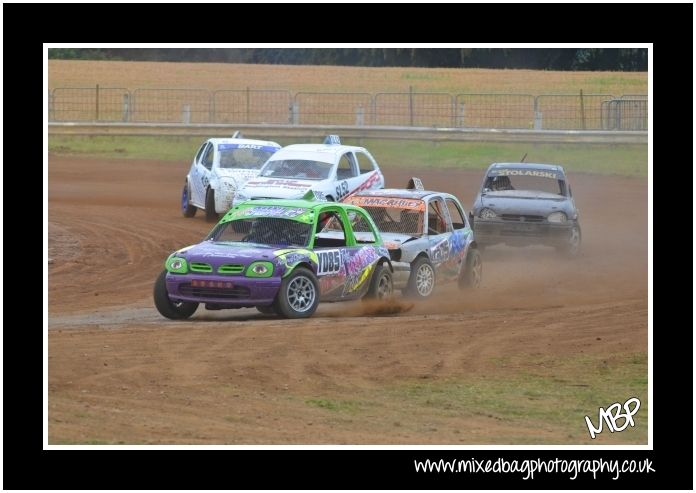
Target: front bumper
224	291
491	232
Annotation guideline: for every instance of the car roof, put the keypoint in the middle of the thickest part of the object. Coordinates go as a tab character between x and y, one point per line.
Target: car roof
401	193
226	140
332	151
550	167
305	204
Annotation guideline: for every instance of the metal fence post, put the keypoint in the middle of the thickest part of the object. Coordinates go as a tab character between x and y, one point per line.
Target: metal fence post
410	104
247	105
373	110
360	115
294	112
96	106
460	115
126	105
582	110
186	113
538	124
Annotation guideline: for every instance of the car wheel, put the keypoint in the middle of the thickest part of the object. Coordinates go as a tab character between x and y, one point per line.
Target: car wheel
381	284
187	209
421	283
210	214
171	309
266	309
298	296
572	247
472	273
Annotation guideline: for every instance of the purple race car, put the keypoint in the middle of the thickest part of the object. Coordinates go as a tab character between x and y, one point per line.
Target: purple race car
280	256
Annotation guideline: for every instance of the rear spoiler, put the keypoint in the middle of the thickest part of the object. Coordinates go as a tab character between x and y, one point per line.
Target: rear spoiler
415	184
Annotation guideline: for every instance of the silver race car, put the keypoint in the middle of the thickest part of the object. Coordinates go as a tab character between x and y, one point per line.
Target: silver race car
527	204
428	237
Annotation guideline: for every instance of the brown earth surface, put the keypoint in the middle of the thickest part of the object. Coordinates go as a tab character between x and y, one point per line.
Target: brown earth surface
120	373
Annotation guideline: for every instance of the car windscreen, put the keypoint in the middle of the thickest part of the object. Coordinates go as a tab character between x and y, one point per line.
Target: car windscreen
272	231
396	220
297	168
538	180
393	214
238	156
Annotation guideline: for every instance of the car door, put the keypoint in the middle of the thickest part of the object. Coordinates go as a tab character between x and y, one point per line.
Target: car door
460	239
194	175
361	255
203	167
347	176
370	174
330	245
439	230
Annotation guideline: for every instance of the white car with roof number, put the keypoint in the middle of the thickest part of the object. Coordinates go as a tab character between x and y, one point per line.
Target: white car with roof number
221	166
330	169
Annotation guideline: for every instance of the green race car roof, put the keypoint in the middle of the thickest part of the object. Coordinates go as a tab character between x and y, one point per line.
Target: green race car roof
297	210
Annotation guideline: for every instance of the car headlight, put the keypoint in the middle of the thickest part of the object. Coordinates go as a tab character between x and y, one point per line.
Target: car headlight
557	217
260	269
487	214
176	265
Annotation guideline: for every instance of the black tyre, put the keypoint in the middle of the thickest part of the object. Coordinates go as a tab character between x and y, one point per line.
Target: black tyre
572	247
421	283
210	215
168	308
381	284
187	209
266	309
472	273
298	296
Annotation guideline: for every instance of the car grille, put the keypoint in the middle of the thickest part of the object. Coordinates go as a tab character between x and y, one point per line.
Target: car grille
522	217
233	292
231	269
201	267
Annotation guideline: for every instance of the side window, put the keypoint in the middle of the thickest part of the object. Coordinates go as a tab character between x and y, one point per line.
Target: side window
361	227
365	164
330	231
458	221
208	156
200	152
345	167
437	219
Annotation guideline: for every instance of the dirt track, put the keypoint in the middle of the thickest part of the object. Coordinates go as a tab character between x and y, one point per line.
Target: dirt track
118	372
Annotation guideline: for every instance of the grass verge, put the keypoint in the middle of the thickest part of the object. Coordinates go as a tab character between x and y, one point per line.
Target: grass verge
627	160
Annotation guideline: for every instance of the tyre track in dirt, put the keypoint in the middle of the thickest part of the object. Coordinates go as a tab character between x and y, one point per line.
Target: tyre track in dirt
120	372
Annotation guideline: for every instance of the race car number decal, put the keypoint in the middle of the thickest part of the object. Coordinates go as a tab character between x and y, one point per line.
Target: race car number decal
341	190
329	262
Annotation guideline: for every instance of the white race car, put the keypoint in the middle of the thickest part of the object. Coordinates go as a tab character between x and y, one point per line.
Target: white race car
331	170
220	168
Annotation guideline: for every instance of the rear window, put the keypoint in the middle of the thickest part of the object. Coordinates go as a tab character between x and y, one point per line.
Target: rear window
538	180
238	156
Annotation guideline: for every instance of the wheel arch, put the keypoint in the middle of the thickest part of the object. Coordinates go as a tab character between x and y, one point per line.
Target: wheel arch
302	263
